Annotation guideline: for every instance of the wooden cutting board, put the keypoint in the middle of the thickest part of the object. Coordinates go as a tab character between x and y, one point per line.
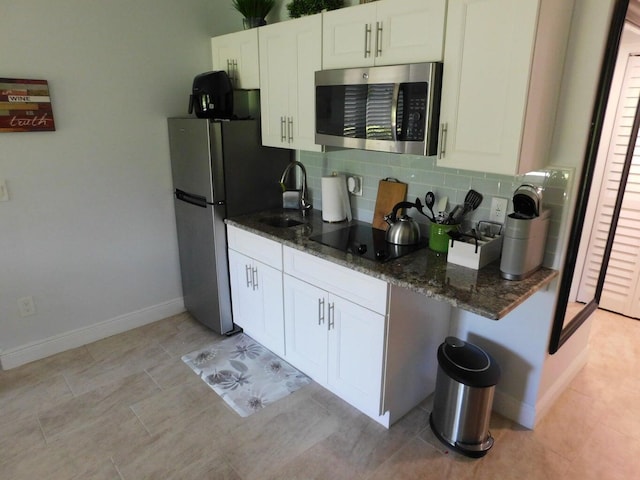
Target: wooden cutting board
390	192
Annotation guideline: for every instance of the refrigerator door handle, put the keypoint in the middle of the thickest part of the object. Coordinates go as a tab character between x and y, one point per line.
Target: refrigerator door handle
197	200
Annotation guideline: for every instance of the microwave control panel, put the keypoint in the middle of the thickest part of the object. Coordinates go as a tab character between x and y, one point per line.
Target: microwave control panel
415	111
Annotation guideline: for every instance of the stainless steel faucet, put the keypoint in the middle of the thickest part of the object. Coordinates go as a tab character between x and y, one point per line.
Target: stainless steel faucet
296	199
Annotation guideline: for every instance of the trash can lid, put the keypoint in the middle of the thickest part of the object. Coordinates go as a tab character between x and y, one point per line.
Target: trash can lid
467	363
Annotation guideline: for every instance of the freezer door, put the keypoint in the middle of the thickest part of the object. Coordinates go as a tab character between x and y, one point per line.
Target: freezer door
190	156
203	263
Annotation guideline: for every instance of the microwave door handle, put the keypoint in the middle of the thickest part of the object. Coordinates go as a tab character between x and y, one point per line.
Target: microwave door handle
394	111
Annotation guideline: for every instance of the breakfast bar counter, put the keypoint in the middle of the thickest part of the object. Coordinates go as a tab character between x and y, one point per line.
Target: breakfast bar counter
483	292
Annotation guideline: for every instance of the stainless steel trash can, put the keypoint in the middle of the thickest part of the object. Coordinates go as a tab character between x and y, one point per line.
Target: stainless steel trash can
465	384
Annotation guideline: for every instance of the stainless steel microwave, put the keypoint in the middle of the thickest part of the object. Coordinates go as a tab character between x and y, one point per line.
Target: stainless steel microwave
390	109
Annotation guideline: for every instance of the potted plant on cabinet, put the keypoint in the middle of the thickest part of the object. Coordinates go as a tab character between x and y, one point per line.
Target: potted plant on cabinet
298	8
253	11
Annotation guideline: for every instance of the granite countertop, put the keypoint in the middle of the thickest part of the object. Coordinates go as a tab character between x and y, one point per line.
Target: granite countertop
483	292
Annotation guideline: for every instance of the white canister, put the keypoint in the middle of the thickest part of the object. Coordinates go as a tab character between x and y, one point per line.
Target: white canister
335	199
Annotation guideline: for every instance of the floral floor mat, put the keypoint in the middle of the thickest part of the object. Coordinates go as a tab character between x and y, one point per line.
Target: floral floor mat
244	373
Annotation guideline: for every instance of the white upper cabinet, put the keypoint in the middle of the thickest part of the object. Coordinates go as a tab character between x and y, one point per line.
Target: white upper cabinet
237	54
385	32
503	65
290	54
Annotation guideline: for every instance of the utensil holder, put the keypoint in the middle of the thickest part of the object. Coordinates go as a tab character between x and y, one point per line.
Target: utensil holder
439	238
474	253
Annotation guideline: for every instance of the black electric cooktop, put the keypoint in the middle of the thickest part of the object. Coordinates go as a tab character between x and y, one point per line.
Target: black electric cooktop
365	241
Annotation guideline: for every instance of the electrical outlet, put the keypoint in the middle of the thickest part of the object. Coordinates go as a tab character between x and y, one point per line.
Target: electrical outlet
4	193
498	209
354	185
26	306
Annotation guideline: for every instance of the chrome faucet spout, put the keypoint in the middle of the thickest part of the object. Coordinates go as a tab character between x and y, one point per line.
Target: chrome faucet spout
304	203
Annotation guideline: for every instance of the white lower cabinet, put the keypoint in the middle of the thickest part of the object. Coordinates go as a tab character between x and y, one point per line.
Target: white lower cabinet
336	342
256	289
370	343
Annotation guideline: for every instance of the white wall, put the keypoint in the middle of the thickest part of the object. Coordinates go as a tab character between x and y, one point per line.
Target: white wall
89	230
591	26
532	379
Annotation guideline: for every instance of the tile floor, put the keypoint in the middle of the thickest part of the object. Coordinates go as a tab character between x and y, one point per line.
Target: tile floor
128	408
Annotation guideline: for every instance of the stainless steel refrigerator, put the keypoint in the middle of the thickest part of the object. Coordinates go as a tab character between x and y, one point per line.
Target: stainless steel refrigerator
220	170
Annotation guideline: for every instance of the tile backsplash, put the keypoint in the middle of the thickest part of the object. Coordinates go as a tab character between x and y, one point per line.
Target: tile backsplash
422	175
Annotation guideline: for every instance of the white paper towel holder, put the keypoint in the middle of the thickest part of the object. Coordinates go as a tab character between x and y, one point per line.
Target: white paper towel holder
336	206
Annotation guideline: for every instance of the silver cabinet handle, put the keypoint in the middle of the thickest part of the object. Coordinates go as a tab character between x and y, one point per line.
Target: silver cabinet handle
290	128
254	277
443	140
247	269
332	317
378	39
320	311
283	126
367	40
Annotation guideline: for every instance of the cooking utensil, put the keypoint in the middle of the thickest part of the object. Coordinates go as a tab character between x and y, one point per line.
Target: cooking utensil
441	208
455	215
418	206
403	230
390	192
472	200
430	200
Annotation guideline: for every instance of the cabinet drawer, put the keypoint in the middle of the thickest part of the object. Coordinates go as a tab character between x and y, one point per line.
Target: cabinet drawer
259	248
356	287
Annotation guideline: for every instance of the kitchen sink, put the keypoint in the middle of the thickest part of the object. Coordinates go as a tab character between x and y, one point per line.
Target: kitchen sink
280	222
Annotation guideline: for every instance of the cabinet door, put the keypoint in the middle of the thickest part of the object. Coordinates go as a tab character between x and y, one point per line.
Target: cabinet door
356	346
275	72
305	313
487	65
256	294
270	303
307	40
410	31
237	54
290	53
348	37
243	298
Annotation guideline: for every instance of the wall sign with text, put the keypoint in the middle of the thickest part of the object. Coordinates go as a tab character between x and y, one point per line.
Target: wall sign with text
25	106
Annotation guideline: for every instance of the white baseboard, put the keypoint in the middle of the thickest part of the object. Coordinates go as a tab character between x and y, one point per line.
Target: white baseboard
76	338
561	384
527	415
513	409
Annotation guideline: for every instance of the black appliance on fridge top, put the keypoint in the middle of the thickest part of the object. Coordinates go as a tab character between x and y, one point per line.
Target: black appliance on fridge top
220	170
